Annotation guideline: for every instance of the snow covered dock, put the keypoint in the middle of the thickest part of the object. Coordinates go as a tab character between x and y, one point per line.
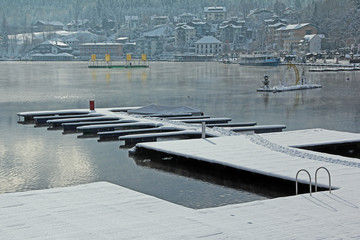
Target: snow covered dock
106	211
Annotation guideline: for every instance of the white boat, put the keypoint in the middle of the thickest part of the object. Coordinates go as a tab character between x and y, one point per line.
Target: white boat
260	59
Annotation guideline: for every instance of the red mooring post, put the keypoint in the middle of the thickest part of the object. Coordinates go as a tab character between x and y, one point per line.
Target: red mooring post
92	105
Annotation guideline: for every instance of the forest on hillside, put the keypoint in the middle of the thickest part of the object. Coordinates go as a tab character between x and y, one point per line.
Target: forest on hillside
334	18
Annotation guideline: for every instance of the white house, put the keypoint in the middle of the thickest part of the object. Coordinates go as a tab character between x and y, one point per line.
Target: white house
52	46
311	43
208	45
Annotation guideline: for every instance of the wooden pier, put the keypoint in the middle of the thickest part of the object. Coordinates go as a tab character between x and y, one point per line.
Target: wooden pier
141	124
73	212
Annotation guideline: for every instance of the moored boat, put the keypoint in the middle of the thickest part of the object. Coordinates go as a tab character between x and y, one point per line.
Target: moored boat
260	59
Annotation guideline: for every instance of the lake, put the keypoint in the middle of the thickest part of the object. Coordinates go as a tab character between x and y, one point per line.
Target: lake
34	158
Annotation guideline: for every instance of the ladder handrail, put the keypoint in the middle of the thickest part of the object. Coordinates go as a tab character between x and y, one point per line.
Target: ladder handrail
316	178
297	180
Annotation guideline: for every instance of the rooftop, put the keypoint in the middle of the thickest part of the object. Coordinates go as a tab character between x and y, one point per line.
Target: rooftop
293	27
207	40
214	9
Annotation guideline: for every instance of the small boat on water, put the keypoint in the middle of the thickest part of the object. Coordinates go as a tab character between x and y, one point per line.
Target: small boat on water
260	59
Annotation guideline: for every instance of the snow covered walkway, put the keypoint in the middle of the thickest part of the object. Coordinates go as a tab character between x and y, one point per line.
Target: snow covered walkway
106	211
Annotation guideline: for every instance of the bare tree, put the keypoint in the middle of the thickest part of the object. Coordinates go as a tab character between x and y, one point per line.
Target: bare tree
13	43
5	34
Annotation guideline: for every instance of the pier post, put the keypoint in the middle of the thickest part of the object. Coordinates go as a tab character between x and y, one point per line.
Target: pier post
92	105
203	127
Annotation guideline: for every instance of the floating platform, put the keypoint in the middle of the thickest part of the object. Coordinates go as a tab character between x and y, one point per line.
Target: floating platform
71	127
139	124
115	64
118	66
289	88
334	69
152	137
92	130
114	135
259	129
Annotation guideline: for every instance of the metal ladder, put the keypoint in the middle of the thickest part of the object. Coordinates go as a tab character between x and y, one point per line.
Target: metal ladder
297	174
328	175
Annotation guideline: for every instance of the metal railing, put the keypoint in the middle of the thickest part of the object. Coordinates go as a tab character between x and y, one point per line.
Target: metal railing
316	178
301	170
297	180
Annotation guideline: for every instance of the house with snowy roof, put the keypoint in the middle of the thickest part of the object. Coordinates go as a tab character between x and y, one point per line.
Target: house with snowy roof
159	20
202	28
152	42
184	35
78	24
289	36
208	45
311	43
257	17
45	26
230	33
52	50
186	18
52	46
215	13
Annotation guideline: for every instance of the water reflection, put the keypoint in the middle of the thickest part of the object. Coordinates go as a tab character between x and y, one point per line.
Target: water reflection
107	77
72	165
203	172
33	158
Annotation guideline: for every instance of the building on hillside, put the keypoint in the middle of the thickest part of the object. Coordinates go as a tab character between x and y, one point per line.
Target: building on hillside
270	39
208	45
257	17
311	43
131	21
202	28
159	20
52	46
186	18
72	42
52	50
184	36
216	14
44	26
152	42
100	49
80	24
289	36
231	32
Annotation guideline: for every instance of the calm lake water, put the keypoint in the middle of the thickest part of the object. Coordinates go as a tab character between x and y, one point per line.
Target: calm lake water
34	158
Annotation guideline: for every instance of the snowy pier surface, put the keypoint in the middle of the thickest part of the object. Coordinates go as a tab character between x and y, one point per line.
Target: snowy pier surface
106	211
